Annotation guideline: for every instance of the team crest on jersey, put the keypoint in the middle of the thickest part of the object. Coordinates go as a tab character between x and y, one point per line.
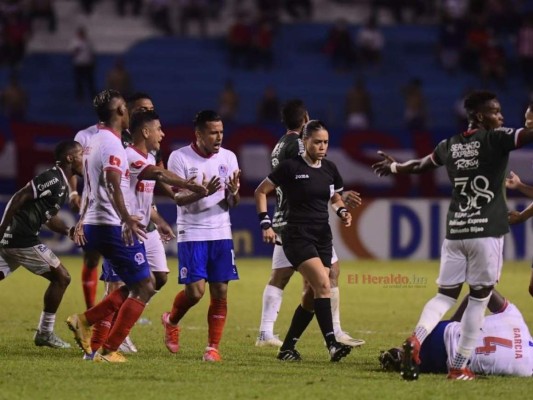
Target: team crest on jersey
42	248
223	170
139	258
183	273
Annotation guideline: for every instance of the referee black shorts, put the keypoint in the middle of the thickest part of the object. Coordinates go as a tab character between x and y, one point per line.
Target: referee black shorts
303	242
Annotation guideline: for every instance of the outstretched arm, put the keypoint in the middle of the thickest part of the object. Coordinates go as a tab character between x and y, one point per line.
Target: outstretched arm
389	166
185	197
162	175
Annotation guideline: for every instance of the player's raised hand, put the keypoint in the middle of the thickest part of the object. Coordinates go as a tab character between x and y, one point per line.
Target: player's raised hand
352	199
133	228
196	187
233	183
213	185
382	168
513	181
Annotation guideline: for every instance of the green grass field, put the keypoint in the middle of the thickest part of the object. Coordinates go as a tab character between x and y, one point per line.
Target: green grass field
381	314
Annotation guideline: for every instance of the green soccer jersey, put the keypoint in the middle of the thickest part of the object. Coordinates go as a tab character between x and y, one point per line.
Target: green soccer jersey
50	192
476	162
289	146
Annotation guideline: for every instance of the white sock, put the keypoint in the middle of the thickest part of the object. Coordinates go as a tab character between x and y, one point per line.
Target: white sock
431	315
272	297
471	325
46	322
335	310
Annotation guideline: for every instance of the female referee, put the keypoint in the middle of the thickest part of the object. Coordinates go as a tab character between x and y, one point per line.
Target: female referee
309	182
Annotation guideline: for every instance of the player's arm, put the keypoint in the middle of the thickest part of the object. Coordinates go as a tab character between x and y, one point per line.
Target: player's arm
15	203
164	229
74	199
131	224
337	203
514	182
389	166
260	194
184	197
162	175
351	199
525	135
232	189
57	225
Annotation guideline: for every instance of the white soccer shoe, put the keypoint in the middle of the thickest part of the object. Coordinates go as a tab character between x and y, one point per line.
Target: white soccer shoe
344	338
265	339
127	346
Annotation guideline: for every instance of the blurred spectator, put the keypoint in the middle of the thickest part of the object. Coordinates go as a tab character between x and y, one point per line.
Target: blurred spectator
477	40
493	63
87	6
339	46
83	61
370	42
269	10
450	44
525	49
239	43
193	10
136	6
263	39
119	79
269	106
415	114
299	9
14	100
358	106
44	9
228	102
16	35
159	11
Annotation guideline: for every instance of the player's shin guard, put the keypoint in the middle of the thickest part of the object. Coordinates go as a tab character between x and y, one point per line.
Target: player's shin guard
324	318
216	319
272	298
111	303
471	324
101	331
432	313
128	314
181	305
299	323
89	282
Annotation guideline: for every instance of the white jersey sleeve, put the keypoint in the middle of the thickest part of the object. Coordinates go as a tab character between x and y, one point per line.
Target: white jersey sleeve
105	153
207	218
504	347
142	191
84	136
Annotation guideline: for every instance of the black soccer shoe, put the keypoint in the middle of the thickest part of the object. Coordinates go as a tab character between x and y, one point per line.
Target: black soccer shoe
289	355
338	351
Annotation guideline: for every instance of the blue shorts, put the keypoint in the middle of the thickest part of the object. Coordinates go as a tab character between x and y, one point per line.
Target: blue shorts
212	260
129	262
433	354
108	273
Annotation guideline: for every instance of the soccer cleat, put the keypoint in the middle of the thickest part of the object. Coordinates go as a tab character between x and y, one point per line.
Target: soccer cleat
289	355
410	365
212	355
82	331
391	360
461	374
344	338
338	351
172	334
50	339
127	346
143	321
268	340
111	357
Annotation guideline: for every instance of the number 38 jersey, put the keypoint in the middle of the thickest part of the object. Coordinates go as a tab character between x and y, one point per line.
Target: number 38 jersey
476	162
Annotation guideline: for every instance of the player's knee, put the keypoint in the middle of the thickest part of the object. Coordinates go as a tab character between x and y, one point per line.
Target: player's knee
280	277
62	276
91	259
480	292
160	280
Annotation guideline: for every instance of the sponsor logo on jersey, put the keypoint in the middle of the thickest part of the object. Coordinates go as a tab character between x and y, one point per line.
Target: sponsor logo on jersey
137	164
183	273
301	176
114	161
49	183
139	258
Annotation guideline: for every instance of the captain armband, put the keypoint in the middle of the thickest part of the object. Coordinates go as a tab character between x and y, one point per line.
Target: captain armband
264	220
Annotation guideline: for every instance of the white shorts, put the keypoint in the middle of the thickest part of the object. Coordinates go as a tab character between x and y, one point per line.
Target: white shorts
155	252
38	259
477	262
279	259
